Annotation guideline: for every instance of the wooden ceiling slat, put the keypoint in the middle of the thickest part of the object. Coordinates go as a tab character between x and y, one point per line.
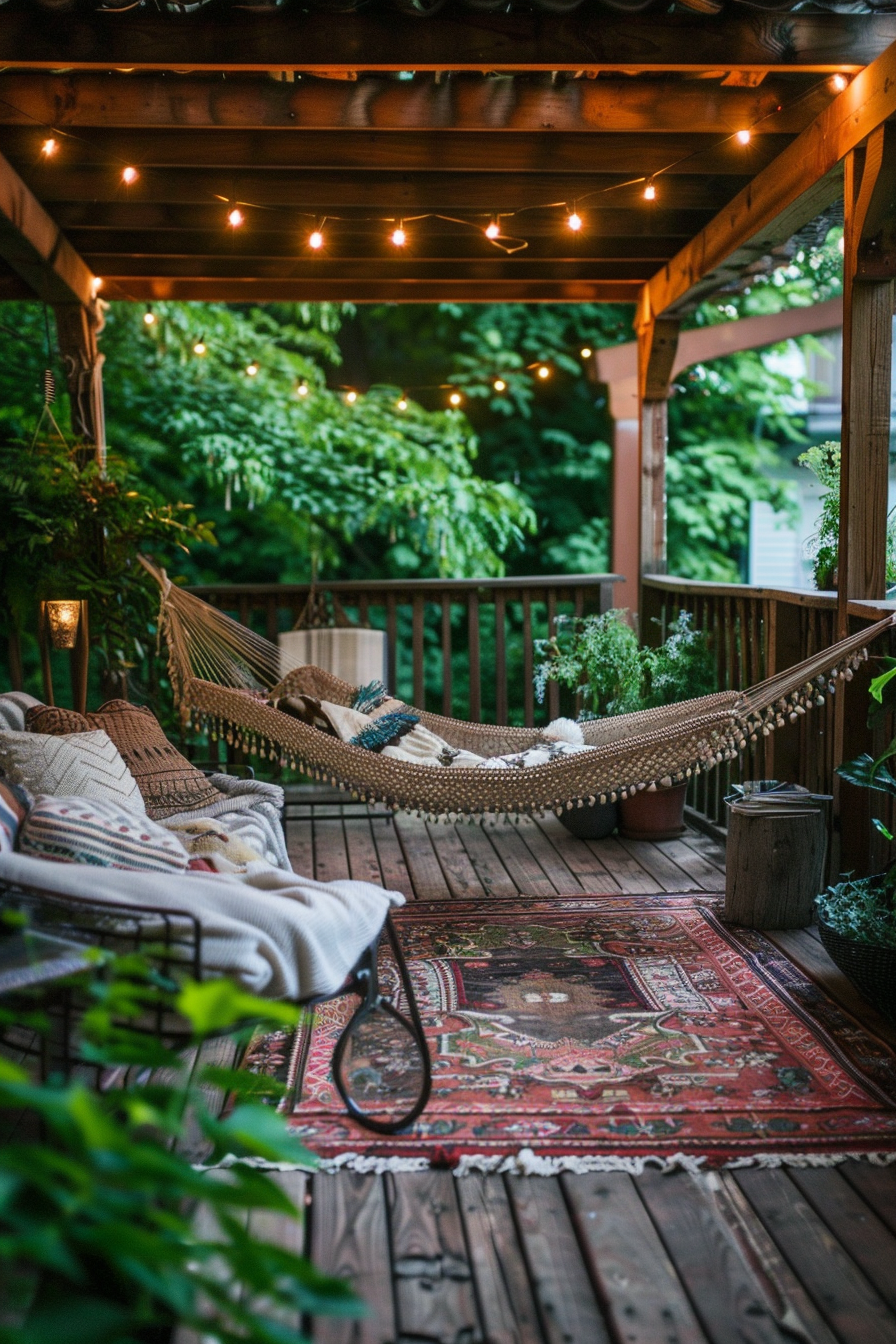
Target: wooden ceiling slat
380	38
493	153
217	290
344	270
461	102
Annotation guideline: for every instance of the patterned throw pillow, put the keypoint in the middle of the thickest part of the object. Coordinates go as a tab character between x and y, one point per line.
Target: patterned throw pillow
81	830
12	814
166	779
84	765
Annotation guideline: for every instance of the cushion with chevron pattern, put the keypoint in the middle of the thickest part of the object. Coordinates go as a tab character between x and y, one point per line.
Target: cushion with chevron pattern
85	765
107	835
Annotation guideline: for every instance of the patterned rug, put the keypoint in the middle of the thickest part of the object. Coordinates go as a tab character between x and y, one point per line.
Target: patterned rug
606	1025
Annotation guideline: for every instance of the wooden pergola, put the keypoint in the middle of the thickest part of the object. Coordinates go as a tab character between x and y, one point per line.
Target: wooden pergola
375	116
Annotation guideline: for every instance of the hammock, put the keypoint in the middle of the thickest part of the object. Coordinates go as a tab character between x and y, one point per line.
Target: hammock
223	675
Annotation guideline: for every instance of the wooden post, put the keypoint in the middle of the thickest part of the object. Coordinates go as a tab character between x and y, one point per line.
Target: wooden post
78	326
625	525
657	346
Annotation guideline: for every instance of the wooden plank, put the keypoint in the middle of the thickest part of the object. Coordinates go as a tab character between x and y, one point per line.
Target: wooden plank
284	1230
528	662
549	860
475	683
726	1295
509	1312
809	954
489	868
300	845
220	1053
363	862
459	872
877	1186
123	283
645	1300
784	195
652	859
434	1298
705	874
330	858
420	857
579	857
626	870
569	1310
417	650
713	851
838	1288
393	866
860	1232
500	657
367	40
35	247
447	671
350	1238
518	859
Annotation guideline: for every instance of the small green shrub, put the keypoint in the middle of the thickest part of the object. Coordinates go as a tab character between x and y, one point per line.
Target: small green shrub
861	908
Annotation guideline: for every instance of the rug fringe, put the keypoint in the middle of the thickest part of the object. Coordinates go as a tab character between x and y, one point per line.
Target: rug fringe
529	1163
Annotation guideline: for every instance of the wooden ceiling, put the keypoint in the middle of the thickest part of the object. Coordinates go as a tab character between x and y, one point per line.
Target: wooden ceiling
294	147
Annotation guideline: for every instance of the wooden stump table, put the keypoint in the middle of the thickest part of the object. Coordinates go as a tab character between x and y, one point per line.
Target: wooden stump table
774	868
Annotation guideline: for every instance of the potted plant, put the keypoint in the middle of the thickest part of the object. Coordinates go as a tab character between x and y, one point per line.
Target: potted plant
600	658
857	916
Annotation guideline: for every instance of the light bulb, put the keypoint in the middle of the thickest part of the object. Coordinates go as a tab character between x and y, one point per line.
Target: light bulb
316	240
96	284
493	230
402	404
744	137
129	176
650	192
149	317
586	352
574	222
455	399
399	237
200	347
252	369
235	218
499	385
303	389
839	82
49	147
543	371
351	397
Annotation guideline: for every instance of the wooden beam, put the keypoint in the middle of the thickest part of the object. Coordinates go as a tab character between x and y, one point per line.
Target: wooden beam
214	289
402	270
657	346
78	327
35	247
494	153
463	102
380	39
787	194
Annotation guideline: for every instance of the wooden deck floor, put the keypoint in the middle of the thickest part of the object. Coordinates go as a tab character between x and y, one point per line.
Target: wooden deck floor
747	1257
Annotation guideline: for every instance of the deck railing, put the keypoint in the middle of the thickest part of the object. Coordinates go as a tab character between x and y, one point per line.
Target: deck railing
461	647
755	632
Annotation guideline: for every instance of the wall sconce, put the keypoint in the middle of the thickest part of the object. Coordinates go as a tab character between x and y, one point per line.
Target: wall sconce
63	618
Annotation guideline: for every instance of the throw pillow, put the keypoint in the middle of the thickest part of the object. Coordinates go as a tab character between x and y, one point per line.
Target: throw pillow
86	765
13	707
81	830
166	779
12	814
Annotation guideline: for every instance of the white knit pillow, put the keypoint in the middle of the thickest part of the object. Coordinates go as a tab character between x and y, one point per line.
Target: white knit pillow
83	765
106	835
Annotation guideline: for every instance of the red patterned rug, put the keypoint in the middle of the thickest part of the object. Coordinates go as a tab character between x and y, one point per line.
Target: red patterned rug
606	1026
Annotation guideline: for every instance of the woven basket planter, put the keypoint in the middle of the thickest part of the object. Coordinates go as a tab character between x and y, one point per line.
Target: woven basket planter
870	967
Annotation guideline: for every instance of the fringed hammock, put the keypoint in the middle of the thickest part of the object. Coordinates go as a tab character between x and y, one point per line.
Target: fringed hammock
223	675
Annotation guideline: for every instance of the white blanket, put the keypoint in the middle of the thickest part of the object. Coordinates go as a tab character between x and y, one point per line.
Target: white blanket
280	935
251	810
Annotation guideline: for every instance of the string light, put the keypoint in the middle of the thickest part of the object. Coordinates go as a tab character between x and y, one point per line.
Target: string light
744	136
499	385
49	147
129	176
402	404
351	397
493	230
543	371
200	347
399	237
96	285
839	82
316	240
303	389
586	352
455	399
650	191
235	217
574	222
252	369
149	316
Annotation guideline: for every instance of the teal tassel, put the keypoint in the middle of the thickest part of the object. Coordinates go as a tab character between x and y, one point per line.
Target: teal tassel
384	730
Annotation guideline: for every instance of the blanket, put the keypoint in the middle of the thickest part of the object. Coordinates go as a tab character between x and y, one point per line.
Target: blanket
280	935
251	811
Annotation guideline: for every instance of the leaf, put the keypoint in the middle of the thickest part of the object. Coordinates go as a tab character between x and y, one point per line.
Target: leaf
260	1132
879	825
866	773
216	1005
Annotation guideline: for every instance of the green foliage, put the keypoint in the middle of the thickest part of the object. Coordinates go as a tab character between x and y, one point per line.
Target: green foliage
824	462
99	1240
601	659
862	909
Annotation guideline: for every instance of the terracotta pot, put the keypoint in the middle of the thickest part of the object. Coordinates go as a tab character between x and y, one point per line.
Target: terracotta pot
657	815
594	822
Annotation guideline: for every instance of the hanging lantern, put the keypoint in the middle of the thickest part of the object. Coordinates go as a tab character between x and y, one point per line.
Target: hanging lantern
63	618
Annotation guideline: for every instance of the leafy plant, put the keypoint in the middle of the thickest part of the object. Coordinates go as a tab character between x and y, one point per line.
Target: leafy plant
98	1217
600	658
823	546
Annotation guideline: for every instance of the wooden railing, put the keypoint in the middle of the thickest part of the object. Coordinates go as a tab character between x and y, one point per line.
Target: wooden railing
753	633
462	647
